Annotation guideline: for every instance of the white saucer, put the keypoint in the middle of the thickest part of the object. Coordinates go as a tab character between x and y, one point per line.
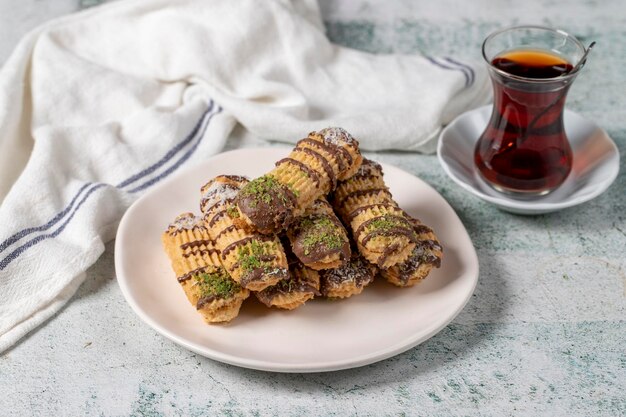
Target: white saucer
596	163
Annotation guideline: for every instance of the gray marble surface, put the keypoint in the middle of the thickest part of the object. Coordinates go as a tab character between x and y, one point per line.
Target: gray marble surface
544	333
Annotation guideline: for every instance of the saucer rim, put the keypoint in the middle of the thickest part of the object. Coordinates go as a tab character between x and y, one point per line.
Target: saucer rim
519	206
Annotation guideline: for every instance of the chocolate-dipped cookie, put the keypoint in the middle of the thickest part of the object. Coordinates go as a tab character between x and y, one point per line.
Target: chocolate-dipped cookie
253	260
196	263
302	285
271	202
383	233
318	239
426	255
347	280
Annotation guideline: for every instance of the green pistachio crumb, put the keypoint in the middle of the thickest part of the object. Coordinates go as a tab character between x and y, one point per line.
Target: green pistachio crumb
217	284
249	256
385	223
232	211
321	231
263	188
286	285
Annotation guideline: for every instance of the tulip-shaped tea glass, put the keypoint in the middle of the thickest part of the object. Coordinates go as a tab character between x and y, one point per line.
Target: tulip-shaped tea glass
524	150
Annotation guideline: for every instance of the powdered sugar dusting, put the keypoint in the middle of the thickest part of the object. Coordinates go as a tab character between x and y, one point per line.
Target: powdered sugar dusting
337	136
218	193
369	168
186	221
357	271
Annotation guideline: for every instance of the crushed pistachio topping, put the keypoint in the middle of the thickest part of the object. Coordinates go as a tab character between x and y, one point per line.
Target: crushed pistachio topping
232	211
216	284
264	189
286	285
386	223
294	190
250	256
321	231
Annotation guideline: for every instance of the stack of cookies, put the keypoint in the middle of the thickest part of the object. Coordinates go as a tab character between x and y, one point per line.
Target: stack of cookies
321	223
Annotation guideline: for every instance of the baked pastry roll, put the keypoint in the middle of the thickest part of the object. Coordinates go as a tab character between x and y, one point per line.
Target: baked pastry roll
291	293
426	255
196	263
347	280
271	202
253	260
383	233
318	239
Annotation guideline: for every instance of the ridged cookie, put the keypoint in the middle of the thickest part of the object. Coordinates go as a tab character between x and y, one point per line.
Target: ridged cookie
382	231
271	202
291	293
426	255
318	239
196	263
253	260
347	280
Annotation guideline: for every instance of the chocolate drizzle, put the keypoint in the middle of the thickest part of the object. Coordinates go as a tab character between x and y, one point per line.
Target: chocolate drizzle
389	250
205	300
217	193
241	242
200	252
395	231
421	229
225	230
396	218
323	161
332	150
361	209
308	171
361	193
196	243
216	217
190	274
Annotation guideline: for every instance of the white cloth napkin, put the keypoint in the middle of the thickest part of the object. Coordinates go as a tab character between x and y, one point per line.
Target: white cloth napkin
97	107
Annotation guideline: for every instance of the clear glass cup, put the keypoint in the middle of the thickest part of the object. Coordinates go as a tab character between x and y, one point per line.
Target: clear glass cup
524	150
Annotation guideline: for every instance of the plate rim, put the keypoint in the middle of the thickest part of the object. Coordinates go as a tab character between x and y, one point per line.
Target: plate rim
520	206
473	270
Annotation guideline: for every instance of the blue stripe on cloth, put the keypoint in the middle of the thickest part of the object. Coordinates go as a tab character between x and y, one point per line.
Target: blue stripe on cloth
178	163
467	67
25	232
170	154
449	67
13	255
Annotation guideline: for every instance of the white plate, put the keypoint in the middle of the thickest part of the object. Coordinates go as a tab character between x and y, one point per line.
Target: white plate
319	336
596	163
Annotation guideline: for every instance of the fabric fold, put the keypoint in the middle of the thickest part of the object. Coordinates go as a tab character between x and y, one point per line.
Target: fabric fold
98	107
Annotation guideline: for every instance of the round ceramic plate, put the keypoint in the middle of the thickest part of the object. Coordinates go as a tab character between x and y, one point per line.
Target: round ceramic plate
596	163
319	336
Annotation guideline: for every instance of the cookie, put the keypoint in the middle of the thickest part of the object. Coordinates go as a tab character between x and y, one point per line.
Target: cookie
270	203
347	280
318	239
196	263
383	232
254	260
291	293
426	255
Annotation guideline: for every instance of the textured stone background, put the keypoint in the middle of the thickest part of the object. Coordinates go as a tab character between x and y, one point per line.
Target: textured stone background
544	333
